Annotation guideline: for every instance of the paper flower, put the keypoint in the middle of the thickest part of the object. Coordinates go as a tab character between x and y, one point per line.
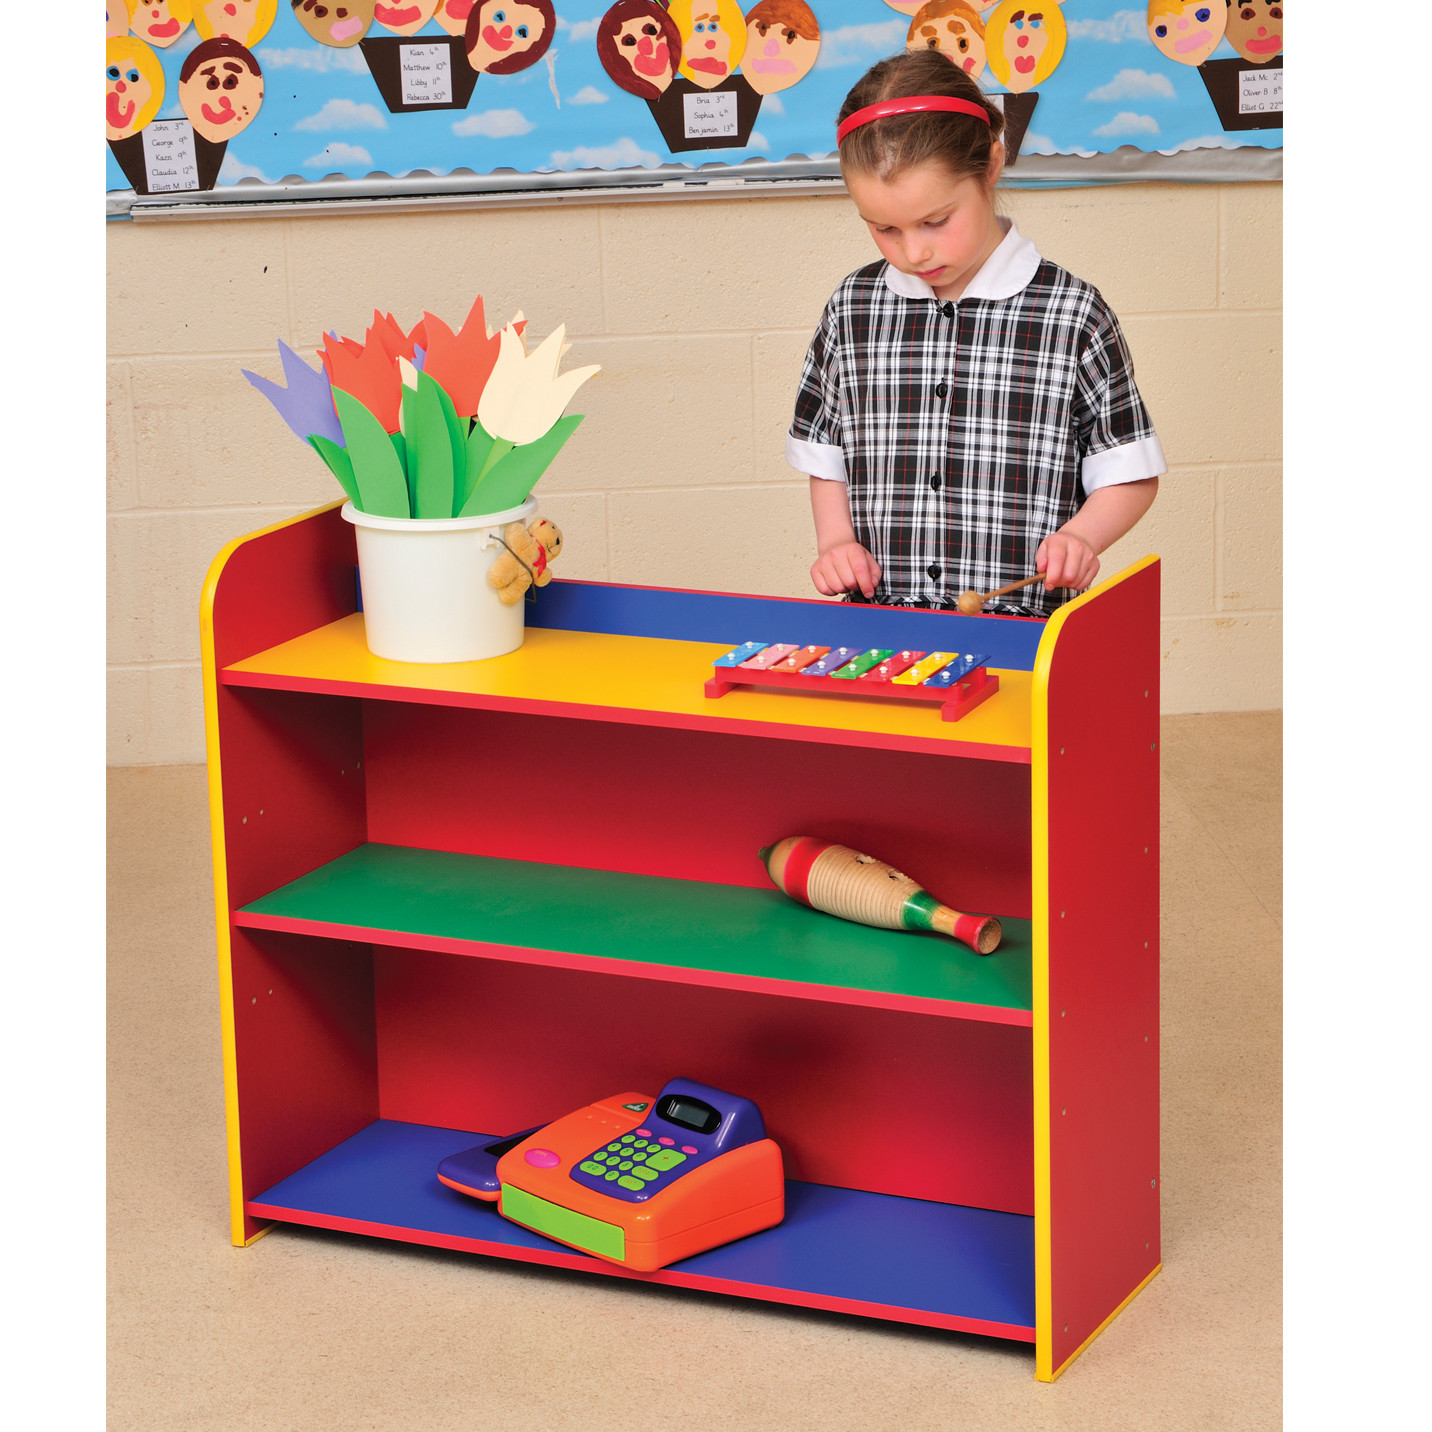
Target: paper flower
306	404
402	419
525	394
463	361
369	370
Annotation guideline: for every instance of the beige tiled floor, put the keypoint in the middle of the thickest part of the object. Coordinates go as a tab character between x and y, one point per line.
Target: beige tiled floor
319	1332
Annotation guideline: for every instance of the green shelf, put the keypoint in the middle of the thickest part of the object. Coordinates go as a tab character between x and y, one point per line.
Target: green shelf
558	914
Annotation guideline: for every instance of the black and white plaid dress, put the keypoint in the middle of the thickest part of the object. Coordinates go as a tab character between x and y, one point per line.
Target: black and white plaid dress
969	431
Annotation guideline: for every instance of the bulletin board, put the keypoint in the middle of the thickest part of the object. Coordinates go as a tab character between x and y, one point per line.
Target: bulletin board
207	99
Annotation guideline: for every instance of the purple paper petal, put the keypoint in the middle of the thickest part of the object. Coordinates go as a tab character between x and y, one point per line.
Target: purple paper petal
419	357
306	404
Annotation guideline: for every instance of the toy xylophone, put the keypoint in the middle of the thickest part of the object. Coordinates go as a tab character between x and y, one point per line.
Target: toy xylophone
958	683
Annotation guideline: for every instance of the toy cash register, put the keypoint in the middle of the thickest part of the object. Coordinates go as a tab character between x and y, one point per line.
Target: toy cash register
638	1181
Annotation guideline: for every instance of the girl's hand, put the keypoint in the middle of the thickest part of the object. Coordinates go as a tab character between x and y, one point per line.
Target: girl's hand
844	568
1066	561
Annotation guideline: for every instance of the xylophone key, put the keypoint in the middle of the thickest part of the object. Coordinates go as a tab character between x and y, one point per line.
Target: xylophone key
892	666
798	661
955	671
832	662
924	668
764	660
863	663
742	653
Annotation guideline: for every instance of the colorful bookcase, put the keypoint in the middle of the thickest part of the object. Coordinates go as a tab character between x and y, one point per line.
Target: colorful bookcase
458	901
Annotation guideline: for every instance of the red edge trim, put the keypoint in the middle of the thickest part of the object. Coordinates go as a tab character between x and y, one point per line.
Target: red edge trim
714	979
583	1264
824	735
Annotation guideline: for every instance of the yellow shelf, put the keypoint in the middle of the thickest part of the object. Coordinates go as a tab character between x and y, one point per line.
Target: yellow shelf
634	678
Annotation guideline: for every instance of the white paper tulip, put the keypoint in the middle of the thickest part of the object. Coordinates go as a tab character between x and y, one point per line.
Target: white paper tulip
525	395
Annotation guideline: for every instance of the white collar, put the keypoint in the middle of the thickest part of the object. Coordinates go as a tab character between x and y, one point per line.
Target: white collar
1007	270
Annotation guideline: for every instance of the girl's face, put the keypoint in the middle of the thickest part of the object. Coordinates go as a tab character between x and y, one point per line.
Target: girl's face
707	50
505	29
1189	34
642	44
127	91
930	224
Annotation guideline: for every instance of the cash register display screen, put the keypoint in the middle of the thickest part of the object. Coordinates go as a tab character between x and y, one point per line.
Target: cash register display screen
689	1113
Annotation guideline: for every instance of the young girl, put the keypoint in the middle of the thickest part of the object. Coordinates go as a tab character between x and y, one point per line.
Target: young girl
967	413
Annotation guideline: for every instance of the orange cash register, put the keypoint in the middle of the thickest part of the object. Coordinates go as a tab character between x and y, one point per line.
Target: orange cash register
638	1181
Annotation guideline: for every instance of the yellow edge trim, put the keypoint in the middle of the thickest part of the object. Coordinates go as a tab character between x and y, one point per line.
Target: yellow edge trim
221	883
1157	1268
1039	915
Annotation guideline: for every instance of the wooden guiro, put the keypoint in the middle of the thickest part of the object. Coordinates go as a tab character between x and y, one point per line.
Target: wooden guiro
843	882
971	604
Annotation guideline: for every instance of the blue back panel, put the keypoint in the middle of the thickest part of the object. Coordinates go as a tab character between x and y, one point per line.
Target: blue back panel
1009	642
837	1242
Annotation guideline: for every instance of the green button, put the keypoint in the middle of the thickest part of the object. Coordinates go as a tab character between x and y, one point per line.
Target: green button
624	1165
637	1156
599	1158
613	1173
615	1148
627	1181
563	1224
647	1173
667	1158
587	1166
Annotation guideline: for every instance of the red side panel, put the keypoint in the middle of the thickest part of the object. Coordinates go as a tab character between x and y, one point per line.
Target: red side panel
1103	957
306	1049
291	773
888	1102
687	804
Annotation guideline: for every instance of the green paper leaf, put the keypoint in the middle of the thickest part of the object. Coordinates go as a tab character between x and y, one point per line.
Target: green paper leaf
400	447
512	478
338	464
479	444
382	484
457	442
429	448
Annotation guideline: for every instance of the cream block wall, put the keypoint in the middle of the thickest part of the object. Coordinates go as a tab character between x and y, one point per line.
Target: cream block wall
699	313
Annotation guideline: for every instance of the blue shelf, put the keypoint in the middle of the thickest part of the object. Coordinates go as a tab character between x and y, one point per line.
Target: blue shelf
903	1258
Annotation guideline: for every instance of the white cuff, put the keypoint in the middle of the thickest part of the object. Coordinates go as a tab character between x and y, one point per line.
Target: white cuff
1130	462
817	459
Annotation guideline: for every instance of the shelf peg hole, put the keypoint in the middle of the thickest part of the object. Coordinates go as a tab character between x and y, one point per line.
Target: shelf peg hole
1066	1327
245	820
1061	914
1061	750
1061	1014
254	1000
1153	1183
1062	1112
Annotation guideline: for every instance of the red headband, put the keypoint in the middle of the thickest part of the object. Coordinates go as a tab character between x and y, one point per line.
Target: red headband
913	105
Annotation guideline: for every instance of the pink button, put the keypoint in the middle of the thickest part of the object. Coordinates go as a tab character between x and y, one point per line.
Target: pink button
667	1142
541	1158
645	1133
687	1149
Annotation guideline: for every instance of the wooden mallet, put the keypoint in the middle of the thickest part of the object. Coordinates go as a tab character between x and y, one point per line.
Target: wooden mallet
970	604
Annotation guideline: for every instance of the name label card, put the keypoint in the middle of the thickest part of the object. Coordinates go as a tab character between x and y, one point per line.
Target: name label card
1260	91
170	164
427	74
710	116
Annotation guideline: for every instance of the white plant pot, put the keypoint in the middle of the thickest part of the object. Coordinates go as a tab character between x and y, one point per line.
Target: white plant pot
425	592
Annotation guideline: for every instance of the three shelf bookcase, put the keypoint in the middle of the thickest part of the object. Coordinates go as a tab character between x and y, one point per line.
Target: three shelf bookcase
457	901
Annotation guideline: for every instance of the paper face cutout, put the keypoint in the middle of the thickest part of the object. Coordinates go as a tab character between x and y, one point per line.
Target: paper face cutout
453	15
116	18
1187	32
713	39
1024	42
340	26
1255	29
638	44
246	21
404	17
134	86
220	88
161	22
953	28
504	36
782	42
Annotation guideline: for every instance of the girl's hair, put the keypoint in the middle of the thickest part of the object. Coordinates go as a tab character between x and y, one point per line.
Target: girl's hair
618	70
887	147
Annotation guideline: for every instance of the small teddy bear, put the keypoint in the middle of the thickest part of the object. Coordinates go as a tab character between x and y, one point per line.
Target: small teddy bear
530	549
